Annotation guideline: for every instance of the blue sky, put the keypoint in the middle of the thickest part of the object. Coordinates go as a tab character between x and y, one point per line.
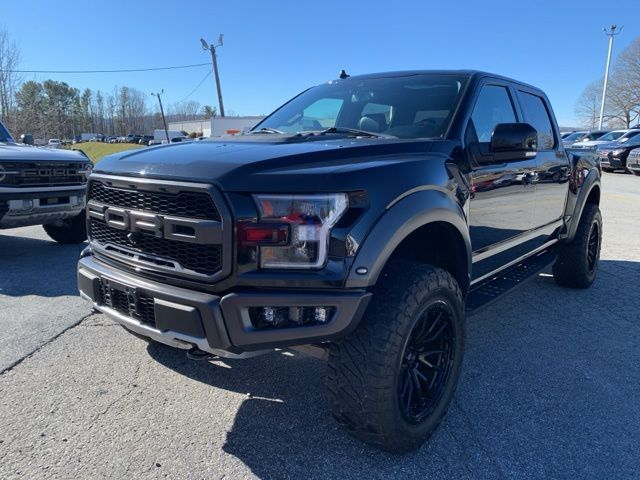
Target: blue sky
272	50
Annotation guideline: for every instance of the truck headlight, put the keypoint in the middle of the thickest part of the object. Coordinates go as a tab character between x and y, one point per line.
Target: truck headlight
294	230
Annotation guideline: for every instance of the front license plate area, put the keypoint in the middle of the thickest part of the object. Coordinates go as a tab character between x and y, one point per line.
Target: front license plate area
120	297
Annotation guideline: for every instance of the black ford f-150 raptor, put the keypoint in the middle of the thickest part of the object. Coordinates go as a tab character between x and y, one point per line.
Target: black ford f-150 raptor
362	220
42	186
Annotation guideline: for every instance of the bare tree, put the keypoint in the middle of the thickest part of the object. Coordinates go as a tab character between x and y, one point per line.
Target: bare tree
623	101
588	105
623	98
185	110
9	79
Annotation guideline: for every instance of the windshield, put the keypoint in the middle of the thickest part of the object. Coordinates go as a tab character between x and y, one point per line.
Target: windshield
635	136
5	136
414	106
574	137
628	136
611	136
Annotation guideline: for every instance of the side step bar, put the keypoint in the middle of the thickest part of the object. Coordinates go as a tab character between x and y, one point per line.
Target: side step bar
507	281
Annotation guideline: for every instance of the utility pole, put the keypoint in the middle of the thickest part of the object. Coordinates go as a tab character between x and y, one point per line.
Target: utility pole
610	33
212	48
164	121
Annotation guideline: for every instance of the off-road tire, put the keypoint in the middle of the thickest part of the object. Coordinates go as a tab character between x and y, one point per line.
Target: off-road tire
573	267
73	230
364	369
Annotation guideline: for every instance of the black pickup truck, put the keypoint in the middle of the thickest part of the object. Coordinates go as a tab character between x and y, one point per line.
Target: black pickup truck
43	186
362	222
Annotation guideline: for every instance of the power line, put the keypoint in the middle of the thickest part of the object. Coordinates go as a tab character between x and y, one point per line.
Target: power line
197	87
124	70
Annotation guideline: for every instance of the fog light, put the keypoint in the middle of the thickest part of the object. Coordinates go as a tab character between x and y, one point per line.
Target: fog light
280	317
27	204
316	315
270	317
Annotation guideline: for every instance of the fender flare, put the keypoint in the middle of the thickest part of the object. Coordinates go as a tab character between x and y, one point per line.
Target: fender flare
397	223
591	181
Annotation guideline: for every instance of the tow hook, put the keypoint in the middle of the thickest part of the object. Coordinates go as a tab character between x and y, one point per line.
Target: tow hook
196	354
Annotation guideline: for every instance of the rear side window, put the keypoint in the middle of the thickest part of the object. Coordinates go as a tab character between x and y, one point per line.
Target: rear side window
536	114
492	107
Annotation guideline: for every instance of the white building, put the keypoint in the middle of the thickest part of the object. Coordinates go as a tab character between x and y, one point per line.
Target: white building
192	126
216	126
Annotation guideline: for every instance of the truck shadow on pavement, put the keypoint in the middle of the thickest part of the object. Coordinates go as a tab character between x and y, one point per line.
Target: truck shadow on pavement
545	392
42	267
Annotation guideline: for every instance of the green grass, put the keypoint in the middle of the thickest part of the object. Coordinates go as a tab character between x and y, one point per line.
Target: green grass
96	150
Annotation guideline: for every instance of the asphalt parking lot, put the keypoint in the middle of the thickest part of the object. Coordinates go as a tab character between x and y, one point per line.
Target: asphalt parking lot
550	386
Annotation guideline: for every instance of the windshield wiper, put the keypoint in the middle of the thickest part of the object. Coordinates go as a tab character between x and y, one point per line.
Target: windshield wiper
353	131
266	130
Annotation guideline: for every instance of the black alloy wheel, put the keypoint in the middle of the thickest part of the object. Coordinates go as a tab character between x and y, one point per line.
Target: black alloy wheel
593	247
426	363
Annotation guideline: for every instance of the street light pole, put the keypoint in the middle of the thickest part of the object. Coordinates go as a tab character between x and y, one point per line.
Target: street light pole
212	49
610	33
164	121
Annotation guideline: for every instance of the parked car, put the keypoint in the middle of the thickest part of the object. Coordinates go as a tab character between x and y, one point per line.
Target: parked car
347	224
145	139
572	138
41	187
612	136
613	156
633	161
590	136
54	143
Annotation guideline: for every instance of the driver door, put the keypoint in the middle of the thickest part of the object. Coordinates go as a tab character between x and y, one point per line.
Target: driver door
502	194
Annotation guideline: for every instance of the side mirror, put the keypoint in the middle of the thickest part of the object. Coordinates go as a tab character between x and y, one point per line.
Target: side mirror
26	138
513	141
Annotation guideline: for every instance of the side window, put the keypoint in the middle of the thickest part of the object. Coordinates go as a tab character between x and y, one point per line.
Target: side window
536	114
493	106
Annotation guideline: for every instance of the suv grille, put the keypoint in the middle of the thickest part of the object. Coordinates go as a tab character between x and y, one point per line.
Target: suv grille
43	174
183	204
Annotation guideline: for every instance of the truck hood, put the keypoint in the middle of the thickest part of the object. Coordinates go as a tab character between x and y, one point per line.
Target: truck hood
16	152
276	164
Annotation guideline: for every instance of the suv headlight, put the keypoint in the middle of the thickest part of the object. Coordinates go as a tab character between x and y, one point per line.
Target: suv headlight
295	229
617	153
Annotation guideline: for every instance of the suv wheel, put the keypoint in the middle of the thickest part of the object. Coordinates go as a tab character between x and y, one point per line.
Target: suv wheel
577	263
391	381
73	230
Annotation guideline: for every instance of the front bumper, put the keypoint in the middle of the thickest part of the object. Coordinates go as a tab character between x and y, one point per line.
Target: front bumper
23	207
220	325
633	163
612	162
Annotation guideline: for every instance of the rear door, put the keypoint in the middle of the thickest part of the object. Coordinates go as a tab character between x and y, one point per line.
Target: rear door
552	166
503	194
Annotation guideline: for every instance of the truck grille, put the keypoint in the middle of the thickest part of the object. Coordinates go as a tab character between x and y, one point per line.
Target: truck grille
174	230
183	204
43	174
204	259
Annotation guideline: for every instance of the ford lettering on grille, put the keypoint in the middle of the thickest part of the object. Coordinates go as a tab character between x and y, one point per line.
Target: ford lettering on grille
161	226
